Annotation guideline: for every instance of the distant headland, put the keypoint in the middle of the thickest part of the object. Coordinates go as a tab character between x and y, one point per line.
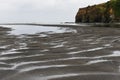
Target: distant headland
104	13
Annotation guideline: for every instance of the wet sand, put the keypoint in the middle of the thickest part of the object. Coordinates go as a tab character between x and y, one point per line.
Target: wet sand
60	53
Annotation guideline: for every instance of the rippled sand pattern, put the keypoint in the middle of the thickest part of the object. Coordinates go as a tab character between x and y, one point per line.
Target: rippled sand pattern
79	53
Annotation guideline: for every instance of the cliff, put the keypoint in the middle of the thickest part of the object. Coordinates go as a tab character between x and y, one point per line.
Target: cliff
105	12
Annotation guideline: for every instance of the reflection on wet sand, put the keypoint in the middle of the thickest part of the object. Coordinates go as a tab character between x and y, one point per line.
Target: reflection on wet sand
59	53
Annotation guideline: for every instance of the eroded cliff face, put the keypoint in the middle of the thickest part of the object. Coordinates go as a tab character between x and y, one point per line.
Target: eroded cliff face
97	13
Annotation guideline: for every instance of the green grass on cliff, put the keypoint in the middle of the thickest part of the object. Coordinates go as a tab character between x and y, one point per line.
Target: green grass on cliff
116	7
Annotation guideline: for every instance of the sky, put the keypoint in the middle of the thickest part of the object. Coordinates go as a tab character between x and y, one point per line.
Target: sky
42	10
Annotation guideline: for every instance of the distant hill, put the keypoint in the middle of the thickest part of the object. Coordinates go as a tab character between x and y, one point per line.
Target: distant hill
105	13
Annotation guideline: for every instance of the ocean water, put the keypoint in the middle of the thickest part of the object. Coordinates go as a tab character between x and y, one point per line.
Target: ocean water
60	52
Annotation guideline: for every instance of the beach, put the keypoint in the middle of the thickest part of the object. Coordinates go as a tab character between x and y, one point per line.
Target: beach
59	52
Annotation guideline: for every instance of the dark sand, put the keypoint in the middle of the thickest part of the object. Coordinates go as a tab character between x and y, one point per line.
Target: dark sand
86	53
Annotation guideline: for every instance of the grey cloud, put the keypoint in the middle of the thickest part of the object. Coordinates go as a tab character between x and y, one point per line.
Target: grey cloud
41	10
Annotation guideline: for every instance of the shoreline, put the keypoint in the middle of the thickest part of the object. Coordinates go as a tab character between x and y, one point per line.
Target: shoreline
68	24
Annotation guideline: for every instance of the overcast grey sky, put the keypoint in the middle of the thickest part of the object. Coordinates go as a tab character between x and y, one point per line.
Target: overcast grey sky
42	10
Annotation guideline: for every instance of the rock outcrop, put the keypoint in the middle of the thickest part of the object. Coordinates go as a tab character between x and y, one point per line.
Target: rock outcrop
104	13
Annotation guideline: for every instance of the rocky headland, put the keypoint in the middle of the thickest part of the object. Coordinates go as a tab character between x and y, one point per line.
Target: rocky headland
104	13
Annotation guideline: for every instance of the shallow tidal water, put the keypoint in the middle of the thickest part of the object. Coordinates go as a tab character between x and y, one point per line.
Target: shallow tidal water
30	52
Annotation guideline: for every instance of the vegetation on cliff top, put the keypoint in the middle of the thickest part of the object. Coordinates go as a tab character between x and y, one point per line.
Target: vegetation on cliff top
116	7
